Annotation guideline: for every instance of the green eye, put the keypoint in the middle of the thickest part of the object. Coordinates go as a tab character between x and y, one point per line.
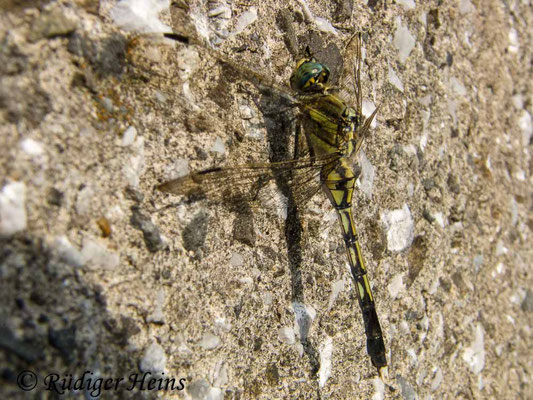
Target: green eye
309	75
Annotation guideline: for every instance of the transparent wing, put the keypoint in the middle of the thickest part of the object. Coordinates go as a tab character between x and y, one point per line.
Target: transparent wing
299	178
351	88
350	81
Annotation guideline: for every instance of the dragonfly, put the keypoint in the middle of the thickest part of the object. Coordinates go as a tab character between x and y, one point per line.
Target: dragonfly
334	132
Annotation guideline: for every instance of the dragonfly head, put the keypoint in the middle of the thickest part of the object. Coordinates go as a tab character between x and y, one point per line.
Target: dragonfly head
309	75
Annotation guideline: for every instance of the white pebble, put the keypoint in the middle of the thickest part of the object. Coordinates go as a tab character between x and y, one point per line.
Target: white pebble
267	298
403	40
518	101
286	335
379	389
404	327
129	136
410	189
153	54
439	217
308	15
323	25
457	86
136	164
220	374
434	286
154	359
426	100
412	353
98	256
12	208
407	391
177	169
410	150
500	248
426	115
158	316
202	390
423	18
367	109
474	356
140	15
396	286
514	211
67	252
465	7
452	110
183	351
32	147
525	124
161	97
437	380
394	80
246	112
326	351
218	146
303	318
222	324
518	296
236	260
366	179
514	44
84	200
245	19
478	262
399	226
336	288
188	61
520	175
407	4
500	268
272	199
209	341
246	280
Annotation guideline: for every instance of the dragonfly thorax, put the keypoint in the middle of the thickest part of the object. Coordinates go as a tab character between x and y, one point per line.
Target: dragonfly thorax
350	114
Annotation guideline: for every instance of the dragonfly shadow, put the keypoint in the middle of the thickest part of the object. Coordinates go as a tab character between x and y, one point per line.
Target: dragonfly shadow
281	127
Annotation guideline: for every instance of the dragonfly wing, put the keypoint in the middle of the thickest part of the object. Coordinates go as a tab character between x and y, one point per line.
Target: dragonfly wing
220	185
306	183
229	185
350	81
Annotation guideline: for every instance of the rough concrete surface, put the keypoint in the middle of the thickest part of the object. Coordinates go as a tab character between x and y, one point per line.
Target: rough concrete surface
100	272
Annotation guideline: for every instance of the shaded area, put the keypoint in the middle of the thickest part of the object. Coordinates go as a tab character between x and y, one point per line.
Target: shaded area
52	321
280	130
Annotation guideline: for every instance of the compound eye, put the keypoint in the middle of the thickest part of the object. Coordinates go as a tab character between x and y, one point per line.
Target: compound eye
309	75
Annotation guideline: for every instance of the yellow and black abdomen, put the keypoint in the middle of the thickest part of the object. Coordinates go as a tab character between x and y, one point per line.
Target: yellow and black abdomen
339	183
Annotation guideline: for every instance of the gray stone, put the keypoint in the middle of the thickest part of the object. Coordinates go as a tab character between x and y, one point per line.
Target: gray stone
52	23
151	235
